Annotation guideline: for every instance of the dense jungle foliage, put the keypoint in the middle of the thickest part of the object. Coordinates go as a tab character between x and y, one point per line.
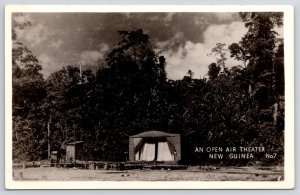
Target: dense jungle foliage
237	106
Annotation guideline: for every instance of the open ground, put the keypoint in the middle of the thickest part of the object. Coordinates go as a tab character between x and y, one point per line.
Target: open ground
194	173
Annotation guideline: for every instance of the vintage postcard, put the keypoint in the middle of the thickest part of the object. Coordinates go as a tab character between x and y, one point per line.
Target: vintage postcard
149	97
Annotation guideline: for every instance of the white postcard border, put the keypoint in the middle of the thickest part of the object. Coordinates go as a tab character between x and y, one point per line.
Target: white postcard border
289	165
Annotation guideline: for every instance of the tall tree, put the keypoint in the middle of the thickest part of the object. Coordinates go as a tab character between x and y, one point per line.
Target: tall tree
213	71
257	46
257	50
28	92
220	54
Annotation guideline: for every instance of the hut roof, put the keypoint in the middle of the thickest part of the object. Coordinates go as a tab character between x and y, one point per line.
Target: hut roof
75	143
154	134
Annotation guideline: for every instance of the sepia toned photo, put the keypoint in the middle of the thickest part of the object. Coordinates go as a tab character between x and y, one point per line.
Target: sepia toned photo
125	95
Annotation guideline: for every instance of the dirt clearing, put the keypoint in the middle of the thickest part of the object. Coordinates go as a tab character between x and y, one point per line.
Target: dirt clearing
191	174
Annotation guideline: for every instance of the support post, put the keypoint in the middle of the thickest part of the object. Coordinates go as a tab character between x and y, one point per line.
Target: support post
48	140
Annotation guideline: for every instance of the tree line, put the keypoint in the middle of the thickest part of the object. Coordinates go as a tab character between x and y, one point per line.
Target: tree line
237	106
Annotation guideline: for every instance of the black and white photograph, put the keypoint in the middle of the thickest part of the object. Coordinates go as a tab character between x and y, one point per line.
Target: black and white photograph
124	95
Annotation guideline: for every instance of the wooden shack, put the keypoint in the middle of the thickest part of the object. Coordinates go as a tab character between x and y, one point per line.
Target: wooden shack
74	151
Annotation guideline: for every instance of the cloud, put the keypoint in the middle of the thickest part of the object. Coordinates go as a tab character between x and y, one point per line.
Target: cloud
225	33
103	47
172	43
91	57
224	17
189	57
194	56
56	44
169	16
35	35
70	38
44	59
47	63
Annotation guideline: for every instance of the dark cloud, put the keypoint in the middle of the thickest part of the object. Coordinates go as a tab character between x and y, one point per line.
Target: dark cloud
66	37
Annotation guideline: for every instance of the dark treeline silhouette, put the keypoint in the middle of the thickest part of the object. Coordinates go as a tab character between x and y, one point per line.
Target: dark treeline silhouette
238	106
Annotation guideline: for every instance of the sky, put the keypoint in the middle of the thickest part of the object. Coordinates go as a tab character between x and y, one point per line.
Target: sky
184	39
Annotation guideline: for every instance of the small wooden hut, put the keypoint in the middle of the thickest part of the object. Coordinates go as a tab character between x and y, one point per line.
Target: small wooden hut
74	151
